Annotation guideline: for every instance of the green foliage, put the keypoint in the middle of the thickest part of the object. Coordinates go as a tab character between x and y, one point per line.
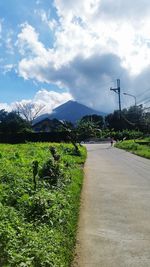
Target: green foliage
38	227
135	147
35	172
51	171
121	135
133	118
89	127
12	123
54	153
97	120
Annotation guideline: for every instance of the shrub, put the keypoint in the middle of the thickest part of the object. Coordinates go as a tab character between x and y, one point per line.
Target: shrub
51	172
37	227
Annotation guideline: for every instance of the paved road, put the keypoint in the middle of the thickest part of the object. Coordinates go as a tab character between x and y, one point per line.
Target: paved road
114	225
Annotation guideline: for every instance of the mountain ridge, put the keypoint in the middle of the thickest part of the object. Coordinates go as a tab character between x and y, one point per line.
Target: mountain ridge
71	111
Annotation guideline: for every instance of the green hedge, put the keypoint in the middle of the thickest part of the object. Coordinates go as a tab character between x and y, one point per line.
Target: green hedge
34	137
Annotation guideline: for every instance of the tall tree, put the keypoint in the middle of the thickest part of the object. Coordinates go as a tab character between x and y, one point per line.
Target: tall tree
29	111
132	118
90	126
12	123
96	119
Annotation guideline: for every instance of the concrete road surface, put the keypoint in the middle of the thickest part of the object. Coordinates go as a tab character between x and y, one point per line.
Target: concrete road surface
114	225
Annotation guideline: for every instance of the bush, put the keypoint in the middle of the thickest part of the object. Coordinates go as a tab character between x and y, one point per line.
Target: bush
38	227
121	135
51	172
135	147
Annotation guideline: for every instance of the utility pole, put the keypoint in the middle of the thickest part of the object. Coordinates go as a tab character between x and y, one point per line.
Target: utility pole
117	90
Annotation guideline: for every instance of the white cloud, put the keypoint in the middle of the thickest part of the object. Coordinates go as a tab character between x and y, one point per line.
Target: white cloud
107	25
47	99
9	42
95	41
46	18
7	68
28	42
50	99
6	106
124	9
84	31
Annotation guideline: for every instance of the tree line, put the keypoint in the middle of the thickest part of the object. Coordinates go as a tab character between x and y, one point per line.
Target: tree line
134	118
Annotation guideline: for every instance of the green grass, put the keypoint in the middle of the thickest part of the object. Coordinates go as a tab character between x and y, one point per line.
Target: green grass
135	148
38	228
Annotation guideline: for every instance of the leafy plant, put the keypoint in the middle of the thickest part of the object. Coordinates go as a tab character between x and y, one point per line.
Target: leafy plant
38	227
135	147
54	153
35	172
51	172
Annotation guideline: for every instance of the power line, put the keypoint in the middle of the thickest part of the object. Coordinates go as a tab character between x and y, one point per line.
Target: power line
144	98
126	120
145	101
146	90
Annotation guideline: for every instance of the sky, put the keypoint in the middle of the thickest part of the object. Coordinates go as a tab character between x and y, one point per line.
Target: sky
52	51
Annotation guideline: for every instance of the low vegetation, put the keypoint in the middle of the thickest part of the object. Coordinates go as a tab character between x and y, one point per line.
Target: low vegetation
122	135
138	147
40	185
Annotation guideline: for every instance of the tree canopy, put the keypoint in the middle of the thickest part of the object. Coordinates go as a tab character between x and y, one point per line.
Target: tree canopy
11	123
90	126
133	118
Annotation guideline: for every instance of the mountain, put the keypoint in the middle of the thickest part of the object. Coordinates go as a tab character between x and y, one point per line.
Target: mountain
70	111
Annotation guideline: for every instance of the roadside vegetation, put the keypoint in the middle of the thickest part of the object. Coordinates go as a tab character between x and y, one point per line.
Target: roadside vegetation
138	147
132	123
40	186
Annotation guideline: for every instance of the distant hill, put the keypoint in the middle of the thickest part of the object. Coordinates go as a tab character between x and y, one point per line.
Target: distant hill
70	111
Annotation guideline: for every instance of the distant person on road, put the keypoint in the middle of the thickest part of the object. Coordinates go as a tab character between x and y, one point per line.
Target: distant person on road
111	141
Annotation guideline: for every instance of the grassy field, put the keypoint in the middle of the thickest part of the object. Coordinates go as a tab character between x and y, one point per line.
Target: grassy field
39	203
135	147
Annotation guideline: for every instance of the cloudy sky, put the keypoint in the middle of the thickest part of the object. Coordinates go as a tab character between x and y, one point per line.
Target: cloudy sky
55	50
